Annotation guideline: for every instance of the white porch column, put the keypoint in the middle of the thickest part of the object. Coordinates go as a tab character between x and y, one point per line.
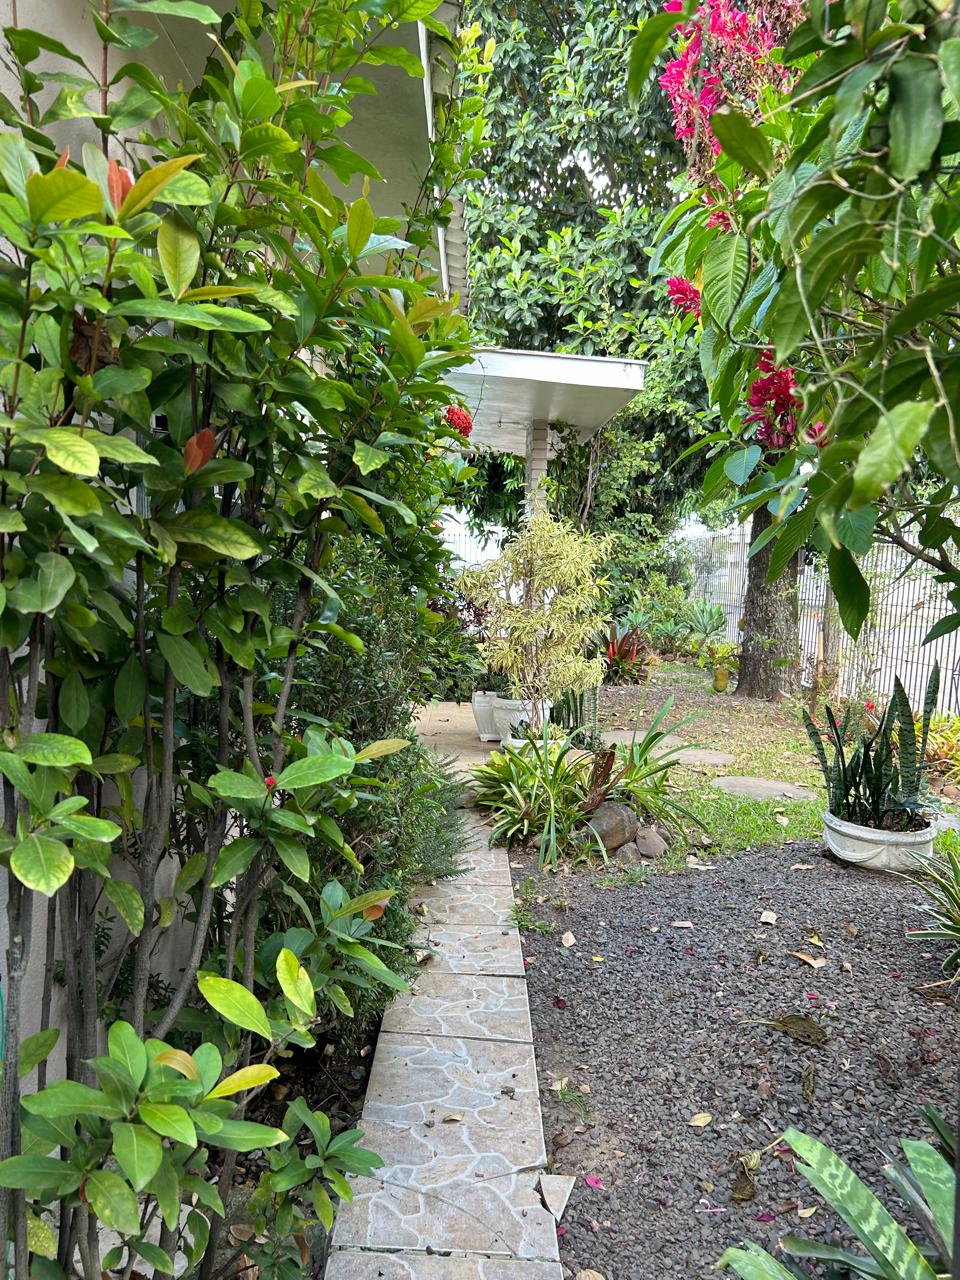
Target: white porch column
538	443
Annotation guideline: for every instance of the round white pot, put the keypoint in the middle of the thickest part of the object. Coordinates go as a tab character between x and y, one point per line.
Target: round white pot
483	702
873	849
508	712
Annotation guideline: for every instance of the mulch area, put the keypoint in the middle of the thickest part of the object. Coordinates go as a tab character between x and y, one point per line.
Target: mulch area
644	1019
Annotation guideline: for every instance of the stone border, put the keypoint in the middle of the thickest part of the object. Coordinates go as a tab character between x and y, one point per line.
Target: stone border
453	1104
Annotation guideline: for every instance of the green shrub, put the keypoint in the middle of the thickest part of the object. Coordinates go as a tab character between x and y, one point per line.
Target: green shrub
938	877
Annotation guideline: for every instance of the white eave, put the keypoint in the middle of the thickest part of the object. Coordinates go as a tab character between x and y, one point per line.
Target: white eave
507	391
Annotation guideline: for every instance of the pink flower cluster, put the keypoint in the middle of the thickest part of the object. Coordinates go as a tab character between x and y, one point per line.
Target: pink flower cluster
723	56
775	403
684	294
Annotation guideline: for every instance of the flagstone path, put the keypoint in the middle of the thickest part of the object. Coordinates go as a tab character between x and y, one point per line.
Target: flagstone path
453	1105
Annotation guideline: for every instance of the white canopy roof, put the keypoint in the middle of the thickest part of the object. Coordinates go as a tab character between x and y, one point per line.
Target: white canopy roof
506	391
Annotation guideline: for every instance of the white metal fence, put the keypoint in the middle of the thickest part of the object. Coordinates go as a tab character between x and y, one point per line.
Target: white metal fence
905	603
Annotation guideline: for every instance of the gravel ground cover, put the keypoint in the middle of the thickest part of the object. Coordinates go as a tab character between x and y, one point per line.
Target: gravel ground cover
641	1027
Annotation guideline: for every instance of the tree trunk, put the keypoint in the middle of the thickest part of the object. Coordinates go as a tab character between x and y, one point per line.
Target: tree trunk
769	658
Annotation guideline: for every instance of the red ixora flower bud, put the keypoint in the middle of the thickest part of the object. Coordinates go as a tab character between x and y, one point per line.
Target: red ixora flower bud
459	419
270	780
870	706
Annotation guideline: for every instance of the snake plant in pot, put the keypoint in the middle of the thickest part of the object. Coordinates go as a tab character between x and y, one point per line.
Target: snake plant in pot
878	803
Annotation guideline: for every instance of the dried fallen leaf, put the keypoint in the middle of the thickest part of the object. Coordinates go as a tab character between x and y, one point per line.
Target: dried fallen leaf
597	959
680	924
584	1089
588	1274
783	820
568	939
619	1154
452	1117
700	1120
851	929
846	966
806	1213
815	962
816	941
559	1002
801	866
421	956
768	917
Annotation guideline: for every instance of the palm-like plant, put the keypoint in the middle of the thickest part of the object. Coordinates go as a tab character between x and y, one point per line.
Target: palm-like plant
939	879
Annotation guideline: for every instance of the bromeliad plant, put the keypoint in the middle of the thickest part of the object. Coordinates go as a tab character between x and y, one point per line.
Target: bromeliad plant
213	371
938	877
881	783
926	1183
628	657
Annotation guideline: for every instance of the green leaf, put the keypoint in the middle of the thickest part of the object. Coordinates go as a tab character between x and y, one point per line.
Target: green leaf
743	141
233	860
314	770
382	747
726	265
740	466
855	529
120	448
360	224
42	864
67	449
139	1152
129	690
295	983
55	575
323	1206
74	701
173	9
649	42
226	537
55	749
35	1048
246	1078
850	589
863	1213
201	316
293	855
236	786
128	902
938	1181
170	1121
368	458
242	1135
186	664
34	1174
235	1003
62	194
69	1098
916	115
113	1202
149	185
154	1255
754	1264
126	1046
179	251
72	497
889	449
949	55
17	163
266	139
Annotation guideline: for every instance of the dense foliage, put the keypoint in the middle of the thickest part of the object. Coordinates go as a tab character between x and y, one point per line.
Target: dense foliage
828	298
216	374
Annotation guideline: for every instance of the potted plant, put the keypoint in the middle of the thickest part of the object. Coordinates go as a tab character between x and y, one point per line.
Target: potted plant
722	656
544	597
877	795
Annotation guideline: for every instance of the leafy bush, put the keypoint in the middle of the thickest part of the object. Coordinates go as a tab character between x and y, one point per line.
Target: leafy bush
205	396
545	610
550	788
939	878
926	1184
883	782
629	660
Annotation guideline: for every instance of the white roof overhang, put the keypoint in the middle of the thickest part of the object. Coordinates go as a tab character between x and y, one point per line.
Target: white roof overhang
506	391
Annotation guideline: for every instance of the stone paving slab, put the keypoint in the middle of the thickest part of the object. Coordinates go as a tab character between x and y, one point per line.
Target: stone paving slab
417	1079
441	1185
454	902
762	788
480	1006
351	1265
472	948
495	873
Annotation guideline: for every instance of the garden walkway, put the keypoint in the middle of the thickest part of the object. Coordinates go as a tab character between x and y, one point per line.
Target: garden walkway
453	1105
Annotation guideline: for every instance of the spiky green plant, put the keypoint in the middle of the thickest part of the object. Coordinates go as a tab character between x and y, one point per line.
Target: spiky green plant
882	782
926	1184
938	876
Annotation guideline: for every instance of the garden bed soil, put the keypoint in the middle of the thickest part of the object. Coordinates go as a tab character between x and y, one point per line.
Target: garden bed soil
645	1020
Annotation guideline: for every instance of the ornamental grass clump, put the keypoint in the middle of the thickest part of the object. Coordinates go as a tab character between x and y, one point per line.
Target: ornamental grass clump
882	782
546	606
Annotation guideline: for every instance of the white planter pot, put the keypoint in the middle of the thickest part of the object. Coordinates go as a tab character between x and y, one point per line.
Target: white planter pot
873	849
483	703
508	712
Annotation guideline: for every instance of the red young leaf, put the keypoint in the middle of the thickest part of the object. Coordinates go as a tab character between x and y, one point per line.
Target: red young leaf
198	450
119	182
375	910
63	158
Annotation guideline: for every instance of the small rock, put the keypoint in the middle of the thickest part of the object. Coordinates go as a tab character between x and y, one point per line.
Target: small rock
615	824
650	843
